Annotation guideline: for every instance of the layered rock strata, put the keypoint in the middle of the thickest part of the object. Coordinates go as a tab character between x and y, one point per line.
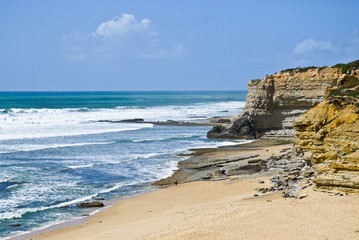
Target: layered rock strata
328	135
273	103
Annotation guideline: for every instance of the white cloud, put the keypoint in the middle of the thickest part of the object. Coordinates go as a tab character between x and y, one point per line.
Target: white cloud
310	45
120	26
120	38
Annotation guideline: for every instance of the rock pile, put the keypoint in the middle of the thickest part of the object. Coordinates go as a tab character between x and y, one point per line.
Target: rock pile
293	174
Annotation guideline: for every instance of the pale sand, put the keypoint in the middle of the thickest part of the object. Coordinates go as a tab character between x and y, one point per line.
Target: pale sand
221	210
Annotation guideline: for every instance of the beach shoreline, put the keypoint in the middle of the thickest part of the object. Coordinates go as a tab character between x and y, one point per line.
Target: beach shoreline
165	214
76	220
200	154
226	209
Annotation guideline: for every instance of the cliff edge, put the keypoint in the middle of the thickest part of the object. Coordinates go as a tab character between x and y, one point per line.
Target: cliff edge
328	135
273	103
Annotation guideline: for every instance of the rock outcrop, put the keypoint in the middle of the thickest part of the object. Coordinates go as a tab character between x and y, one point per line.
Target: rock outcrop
273	103
241	128
328	135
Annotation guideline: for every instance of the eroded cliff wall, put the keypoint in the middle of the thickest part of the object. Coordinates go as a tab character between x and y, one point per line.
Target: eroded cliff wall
328	135
273	103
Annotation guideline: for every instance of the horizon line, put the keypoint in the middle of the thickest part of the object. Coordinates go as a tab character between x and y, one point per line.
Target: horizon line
10	91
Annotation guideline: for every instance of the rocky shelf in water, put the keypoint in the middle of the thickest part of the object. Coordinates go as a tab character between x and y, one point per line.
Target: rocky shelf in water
203	122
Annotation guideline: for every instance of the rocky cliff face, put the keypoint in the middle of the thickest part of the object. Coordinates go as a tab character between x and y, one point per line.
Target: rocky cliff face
273	103
328	135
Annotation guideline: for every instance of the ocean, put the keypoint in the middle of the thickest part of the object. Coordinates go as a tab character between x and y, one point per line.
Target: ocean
58	149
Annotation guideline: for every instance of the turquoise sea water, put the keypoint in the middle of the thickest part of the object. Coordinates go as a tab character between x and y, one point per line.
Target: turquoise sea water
55	152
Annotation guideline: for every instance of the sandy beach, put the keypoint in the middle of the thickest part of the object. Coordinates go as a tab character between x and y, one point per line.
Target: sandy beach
228	209
221	210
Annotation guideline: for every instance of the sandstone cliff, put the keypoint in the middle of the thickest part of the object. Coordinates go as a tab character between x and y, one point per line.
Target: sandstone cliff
328	135
273	103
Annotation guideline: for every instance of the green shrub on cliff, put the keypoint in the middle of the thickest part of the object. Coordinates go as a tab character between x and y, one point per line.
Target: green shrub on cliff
300	69
348	66
344	93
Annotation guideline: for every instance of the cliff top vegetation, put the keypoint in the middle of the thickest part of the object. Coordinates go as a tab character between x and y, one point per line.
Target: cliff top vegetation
348	66
345	67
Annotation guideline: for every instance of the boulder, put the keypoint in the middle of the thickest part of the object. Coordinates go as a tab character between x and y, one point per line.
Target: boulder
90	204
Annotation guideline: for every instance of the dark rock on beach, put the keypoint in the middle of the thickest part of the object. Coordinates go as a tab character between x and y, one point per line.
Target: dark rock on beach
134	120
241	128
15	225
90	204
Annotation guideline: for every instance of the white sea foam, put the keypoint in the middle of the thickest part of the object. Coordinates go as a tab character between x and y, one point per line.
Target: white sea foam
12	186
17	213
20	212
33	147
145	155
81	166
223	143
40	123
150	139
44	131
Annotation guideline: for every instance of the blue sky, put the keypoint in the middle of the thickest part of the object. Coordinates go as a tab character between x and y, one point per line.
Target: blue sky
168	45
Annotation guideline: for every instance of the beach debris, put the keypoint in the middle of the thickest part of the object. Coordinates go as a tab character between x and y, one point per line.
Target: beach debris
90	204
99	198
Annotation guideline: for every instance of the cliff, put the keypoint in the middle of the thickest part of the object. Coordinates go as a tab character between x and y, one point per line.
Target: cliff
273	103
328	135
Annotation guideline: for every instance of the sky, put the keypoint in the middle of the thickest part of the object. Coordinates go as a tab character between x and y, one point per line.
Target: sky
149	45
